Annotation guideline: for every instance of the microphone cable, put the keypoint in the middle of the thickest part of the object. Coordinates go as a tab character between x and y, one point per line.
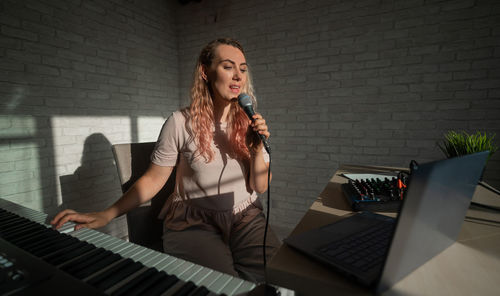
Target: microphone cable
267	214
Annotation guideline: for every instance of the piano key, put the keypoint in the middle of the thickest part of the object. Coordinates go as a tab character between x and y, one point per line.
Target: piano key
121	274
221	282
163	285
232	286
50	248
138	284
244	287
94	237
185	271
107	260
84	269
133	249
70	251
185	290
189	273
116	245
7	229
32	240
200	291
67	228
15	238
155	257
148	253
199	276
193	271
71	255
175	289
11	221
182	268
59	248
49	238
82	261
97	239
210	278
98	278
163	261
85	234
168	262
101	239
48	245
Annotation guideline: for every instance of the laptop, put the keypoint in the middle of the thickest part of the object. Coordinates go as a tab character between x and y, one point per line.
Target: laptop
378	251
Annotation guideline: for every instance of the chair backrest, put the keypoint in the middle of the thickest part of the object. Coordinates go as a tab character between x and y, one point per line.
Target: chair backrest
144	227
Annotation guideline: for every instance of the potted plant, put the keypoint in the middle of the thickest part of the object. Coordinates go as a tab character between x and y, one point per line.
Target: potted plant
462	143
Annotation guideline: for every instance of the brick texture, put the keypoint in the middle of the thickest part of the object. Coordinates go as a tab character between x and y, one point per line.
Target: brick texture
75	78
360	82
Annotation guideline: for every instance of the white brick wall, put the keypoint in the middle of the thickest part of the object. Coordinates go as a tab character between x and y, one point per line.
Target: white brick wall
75	78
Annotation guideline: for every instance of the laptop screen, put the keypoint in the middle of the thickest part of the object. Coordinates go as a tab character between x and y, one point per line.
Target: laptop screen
432	213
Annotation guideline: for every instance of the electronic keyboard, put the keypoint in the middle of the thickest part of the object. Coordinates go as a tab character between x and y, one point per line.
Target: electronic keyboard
34	259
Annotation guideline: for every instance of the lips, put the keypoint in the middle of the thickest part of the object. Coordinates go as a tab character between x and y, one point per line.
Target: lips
234	88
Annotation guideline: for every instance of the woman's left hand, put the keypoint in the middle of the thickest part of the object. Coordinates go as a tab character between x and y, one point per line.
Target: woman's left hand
258	126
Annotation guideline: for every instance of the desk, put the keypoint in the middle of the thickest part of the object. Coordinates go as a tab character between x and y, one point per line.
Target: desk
471	266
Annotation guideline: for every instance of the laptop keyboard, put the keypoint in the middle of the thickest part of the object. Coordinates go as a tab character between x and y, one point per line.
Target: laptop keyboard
362	251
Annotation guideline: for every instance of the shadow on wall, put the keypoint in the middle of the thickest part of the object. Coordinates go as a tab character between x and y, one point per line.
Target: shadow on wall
94	185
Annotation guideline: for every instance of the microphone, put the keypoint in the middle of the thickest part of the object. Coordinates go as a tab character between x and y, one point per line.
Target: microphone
246	104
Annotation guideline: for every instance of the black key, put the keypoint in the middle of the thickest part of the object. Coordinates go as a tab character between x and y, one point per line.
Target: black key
81	262
61	244
94	281
108	260
50	237
140	283
21	230
186	289
120	275
63	258
29	238
84	267
51	247
82	259
162	286
11	226
61	251
200	291
23	236
10	222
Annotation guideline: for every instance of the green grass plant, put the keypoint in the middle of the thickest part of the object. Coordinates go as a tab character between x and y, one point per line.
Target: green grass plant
462	143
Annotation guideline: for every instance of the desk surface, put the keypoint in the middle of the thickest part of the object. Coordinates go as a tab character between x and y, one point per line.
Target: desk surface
471	266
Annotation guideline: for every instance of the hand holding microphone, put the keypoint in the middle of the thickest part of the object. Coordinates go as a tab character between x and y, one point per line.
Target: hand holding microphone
246	104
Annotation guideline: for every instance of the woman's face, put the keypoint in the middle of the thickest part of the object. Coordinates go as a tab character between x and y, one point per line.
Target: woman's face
227	74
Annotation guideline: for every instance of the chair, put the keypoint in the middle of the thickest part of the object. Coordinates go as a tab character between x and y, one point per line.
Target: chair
144	227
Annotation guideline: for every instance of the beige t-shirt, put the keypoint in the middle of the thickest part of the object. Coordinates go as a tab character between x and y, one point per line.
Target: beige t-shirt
219	186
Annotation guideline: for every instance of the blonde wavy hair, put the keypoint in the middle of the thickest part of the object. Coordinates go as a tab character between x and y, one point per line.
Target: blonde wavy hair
201	109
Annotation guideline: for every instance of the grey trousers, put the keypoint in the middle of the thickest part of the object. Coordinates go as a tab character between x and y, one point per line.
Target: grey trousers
242	256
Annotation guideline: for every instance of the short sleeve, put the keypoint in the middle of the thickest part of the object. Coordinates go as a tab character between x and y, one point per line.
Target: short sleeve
167	147
266	155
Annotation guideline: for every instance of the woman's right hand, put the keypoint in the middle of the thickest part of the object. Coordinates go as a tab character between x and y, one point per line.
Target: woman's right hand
83	220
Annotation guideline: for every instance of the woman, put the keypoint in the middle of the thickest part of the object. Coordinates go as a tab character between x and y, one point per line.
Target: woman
214	217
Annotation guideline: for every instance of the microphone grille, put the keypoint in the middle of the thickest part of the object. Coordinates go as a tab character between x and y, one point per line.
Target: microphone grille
245	100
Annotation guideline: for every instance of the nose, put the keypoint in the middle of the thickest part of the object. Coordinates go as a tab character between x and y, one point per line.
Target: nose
237	75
